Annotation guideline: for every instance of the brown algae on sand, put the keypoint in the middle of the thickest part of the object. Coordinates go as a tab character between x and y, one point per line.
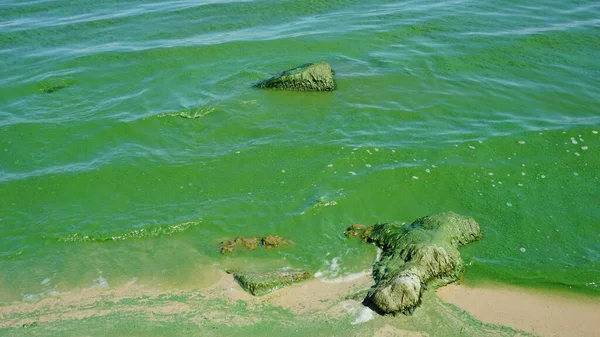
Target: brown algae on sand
251	243
415	256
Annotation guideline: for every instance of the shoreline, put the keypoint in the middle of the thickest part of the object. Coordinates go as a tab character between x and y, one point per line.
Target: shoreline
543	313
315	305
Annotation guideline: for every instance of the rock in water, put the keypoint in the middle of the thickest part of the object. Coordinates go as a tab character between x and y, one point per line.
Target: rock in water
259	284
269	241
424	253
308	77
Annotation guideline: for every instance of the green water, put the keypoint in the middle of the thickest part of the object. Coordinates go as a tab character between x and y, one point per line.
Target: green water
132	140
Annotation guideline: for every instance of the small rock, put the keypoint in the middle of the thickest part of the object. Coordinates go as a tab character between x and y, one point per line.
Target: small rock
308	77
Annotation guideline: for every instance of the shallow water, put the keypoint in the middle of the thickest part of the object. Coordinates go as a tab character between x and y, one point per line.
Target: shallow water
137	124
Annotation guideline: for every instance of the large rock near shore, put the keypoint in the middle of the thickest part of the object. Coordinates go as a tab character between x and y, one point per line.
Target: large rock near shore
424	253
309	77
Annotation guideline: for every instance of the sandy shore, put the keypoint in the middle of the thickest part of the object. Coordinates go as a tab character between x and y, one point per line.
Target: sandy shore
544	314
312	308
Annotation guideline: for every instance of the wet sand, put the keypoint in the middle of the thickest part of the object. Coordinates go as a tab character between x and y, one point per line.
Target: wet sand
542	313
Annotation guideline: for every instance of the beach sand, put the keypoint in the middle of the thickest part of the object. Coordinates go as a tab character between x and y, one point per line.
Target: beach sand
542	313
313	308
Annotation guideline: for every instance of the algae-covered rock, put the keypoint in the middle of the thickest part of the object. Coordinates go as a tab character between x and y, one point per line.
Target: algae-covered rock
308	77
228	246
424	253
274	241
269	241
259	284
359	231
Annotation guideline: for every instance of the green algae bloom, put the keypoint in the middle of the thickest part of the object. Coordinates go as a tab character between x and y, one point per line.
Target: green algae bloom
140	233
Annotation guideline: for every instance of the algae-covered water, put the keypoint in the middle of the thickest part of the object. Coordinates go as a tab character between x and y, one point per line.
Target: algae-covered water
133	140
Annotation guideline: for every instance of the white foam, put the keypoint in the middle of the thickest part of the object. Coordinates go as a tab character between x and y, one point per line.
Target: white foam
365	315
332	271
361	313
100	283
344	279
37	297
46	281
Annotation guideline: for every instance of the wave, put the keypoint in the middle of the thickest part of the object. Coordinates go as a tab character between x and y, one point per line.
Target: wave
334	274
140	233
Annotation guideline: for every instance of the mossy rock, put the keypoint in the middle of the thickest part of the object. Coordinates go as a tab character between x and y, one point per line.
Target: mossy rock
415	256
259	284
308	77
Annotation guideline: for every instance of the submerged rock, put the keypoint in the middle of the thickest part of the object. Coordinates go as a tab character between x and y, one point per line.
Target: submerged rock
259	284
269	241
307	77
424	253
228	246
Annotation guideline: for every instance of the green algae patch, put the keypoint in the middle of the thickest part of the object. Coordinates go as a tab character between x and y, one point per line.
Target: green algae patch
308	77
251	243
140	233
48	86
259	284
195	112
415	256
190	112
